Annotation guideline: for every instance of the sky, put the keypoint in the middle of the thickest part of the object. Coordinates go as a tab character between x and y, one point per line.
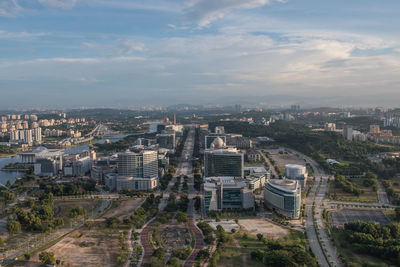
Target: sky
72	53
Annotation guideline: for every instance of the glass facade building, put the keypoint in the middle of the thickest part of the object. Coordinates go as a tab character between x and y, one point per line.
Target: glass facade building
223	162
283	196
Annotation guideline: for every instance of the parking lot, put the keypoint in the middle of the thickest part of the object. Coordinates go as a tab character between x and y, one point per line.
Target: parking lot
340	217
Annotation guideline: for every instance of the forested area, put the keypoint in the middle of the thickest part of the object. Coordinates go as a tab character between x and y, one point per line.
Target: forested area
373	239
319	145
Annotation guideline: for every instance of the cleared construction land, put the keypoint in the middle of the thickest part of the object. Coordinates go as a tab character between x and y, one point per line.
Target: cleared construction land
125	208
282	157
264	227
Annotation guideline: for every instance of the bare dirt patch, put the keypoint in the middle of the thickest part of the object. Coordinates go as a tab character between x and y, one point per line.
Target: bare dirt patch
87	248
228	225
262	226
283	159
125	208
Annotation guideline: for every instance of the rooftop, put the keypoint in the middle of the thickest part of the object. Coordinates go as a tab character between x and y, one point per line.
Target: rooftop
283	184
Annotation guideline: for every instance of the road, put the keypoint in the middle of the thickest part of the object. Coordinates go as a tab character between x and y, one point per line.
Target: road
184	168
382	196
271	167
316	198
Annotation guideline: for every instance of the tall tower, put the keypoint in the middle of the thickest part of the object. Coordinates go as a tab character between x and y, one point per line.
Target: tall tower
174	119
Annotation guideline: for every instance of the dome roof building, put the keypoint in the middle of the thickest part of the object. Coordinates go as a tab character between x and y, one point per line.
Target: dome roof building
218	143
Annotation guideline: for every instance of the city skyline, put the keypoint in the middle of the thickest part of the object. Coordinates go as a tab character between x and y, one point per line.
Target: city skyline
72	53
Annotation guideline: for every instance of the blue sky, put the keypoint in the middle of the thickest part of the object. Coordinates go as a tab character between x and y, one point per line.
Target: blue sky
132	52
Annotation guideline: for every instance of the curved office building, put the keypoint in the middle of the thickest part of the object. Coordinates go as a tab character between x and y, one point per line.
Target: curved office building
283	196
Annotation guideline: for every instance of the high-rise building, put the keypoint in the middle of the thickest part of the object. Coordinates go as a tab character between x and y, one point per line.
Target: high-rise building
37	135
28	136
283	196
223	162
166	140
348	132
139	165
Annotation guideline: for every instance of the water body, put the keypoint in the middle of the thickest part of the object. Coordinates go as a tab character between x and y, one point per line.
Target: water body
8	176
12	176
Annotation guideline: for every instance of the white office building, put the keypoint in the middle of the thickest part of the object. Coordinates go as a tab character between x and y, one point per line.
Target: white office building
143	164
296	172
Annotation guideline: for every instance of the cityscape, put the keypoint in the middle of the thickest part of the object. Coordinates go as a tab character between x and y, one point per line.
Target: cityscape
199	133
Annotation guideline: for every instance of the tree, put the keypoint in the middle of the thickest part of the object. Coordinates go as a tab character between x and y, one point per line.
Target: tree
112	222
260	237
89	224
13	226
47	257
27	256
181	217
397	210
1	242
174	262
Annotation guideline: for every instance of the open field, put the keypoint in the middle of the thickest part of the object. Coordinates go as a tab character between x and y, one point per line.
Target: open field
97	247
228	225
283	159
63	207
237	252
125	208
340	217
369	194
262	226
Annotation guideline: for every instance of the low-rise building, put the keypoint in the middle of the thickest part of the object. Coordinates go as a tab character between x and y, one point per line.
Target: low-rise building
296	172
227	193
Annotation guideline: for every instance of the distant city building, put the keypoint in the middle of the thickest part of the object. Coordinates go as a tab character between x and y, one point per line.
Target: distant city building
296	172
223	162
283	196
166	140
374	129
227	193
295	107
330	127
240	142
219	130
136	184
139	165
253	155
209	139
348	132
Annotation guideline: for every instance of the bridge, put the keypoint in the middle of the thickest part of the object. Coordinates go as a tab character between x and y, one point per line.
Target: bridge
102	130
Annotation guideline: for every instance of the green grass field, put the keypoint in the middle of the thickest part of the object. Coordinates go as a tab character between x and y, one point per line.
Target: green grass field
369	194
237	252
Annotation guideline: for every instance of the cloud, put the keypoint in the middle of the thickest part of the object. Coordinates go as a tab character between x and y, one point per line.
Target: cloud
151	5
89	45
18	35
128	47
64	4
203	12
9	8
85	60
